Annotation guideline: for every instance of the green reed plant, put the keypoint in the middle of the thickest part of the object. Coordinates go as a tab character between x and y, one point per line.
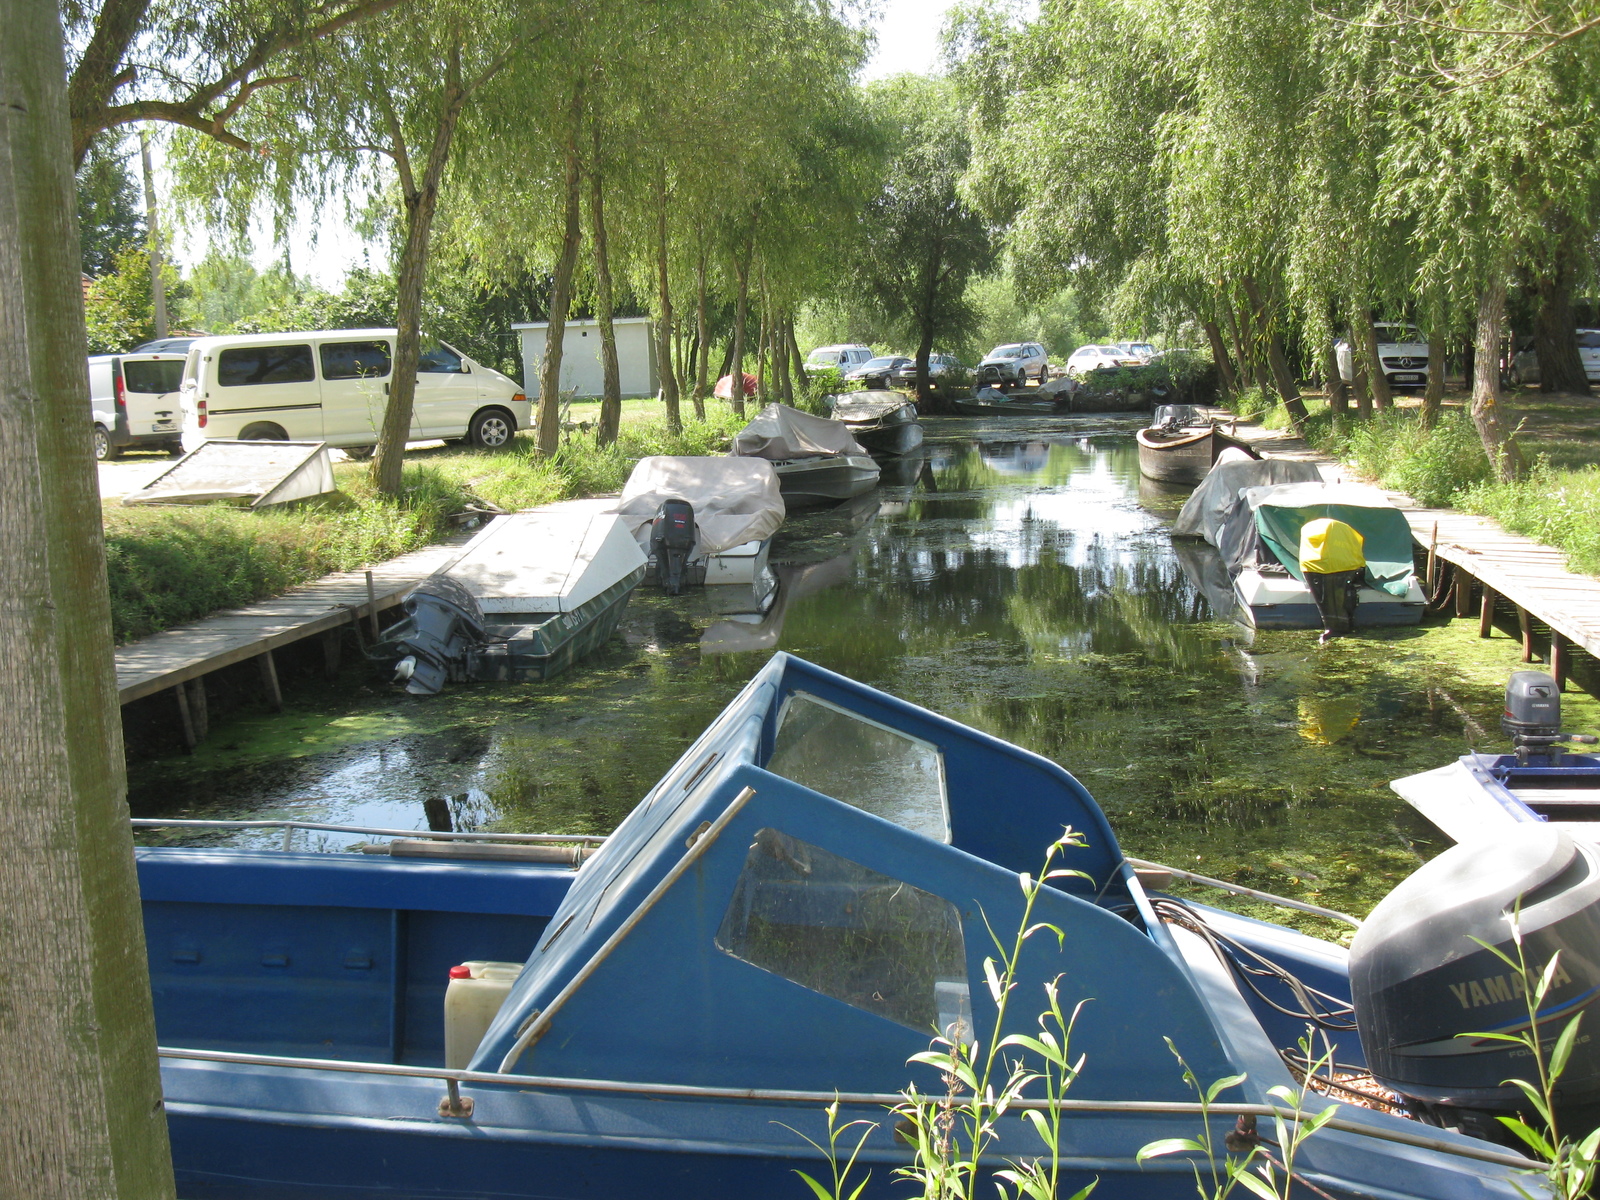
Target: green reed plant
1246	1162
1433	466
1570	1164
1558	508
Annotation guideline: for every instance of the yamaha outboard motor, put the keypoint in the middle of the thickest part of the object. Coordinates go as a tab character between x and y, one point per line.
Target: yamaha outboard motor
1532	719
1420	982
672	536
445	622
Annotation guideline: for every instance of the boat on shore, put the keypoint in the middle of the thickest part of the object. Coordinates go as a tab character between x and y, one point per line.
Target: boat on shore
885	424
816	459
531	594
787	918
1181	445
1481	795
1047	400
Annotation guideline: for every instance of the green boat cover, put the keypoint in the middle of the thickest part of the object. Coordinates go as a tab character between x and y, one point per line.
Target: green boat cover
1281	512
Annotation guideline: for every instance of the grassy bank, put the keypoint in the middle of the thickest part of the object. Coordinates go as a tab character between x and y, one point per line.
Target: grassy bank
171	565
1557	502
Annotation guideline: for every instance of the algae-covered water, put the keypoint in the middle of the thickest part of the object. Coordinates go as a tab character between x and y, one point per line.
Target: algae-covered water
1022	581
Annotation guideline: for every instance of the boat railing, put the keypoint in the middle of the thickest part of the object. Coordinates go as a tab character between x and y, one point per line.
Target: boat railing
290	827
453	1104
1149	869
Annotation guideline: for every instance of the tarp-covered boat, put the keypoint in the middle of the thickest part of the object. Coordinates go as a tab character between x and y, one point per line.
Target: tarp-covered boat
883	424
527	597
736	508
1047	400
782	923
1258	529
816	459
1182	444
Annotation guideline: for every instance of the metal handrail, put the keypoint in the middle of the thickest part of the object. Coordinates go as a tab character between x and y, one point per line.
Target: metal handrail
442	835
1240	890
795	1096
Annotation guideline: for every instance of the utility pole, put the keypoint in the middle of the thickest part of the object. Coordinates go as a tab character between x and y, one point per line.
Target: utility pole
85	1119
158	288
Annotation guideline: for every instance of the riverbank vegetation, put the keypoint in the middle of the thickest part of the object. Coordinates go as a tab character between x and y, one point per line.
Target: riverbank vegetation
170	565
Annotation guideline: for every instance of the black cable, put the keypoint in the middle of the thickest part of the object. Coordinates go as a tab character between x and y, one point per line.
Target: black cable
1247	965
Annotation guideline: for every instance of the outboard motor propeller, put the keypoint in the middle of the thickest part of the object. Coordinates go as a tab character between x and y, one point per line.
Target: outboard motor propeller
672	537
446	622
1423	985
1532	718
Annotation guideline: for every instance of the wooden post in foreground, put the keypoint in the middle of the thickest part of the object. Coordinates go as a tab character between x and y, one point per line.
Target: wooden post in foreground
85	1119
1486	612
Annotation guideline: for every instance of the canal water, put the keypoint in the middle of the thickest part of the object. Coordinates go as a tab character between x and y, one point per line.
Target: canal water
1019	578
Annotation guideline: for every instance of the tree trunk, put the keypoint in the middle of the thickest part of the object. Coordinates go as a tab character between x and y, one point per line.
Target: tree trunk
1555	332
741	313
664	366
799	359
1338	393
1287	389
604	307
1367	332
86	1121
158	285
1433	394
1505	457
549	418
1219	355
421	199
702	363
780	359
1247	374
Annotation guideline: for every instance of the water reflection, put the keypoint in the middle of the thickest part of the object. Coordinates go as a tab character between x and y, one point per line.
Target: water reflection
1018	576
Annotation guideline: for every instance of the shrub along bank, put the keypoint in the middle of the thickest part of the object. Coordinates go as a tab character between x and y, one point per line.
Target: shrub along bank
1445	467
171	565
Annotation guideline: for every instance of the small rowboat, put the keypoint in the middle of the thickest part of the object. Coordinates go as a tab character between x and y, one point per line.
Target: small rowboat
1181	445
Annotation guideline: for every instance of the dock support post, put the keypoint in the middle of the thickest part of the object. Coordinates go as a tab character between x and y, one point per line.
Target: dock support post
1464	584
181	692
331	645
1525	624
1558	660
199	717
269	680
1486	612
1433	560
372	606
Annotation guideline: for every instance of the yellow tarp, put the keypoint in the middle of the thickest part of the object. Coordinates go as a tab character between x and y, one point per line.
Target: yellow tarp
1327	546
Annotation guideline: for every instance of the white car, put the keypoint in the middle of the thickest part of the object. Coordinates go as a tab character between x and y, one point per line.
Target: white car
1093	358
1143	351
133	402
844	356
1525	364
1401	350
333	386
1014	363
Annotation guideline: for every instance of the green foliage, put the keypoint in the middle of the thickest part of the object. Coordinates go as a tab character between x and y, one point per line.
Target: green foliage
1251	404
1558	508
820	383
229	292
172	565
110	208
1059	322
118	310
1432	466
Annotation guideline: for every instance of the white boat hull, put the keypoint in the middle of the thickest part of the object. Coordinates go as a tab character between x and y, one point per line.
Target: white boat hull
1283	602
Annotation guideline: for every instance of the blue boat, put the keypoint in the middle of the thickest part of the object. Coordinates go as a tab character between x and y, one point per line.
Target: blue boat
786	917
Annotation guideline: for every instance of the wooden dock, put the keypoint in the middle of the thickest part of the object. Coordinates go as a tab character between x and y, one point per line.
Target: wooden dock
179	659
1477	568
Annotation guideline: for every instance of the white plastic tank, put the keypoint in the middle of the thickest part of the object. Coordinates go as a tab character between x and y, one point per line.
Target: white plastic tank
474	995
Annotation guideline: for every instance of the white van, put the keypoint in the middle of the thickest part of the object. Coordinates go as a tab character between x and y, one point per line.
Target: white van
133	401
842	356
333	386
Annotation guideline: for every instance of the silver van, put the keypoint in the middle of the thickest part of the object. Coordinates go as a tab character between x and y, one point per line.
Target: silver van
133	402
333	386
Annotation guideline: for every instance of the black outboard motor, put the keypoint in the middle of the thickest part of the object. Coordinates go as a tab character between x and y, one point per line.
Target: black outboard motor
672	536
1533	718
1419	981
445	622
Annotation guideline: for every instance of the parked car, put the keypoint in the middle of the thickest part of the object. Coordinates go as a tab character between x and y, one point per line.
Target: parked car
1014	364
944	370
1143	351
133	402
875	372
333	386
1093	358
1401	350
170	345
843	356
1525	363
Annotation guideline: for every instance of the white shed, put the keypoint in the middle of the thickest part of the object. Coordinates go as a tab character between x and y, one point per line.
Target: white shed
580	357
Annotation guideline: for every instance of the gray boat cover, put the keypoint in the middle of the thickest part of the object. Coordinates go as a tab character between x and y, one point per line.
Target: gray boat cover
1209	506
862	408
735	500
780	433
